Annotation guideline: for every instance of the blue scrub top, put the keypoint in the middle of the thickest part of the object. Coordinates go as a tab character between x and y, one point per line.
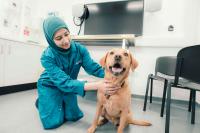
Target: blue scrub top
61	70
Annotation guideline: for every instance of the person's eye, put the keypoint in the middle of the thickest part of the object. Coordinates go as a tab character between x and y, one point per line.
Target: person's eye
58	38
66	34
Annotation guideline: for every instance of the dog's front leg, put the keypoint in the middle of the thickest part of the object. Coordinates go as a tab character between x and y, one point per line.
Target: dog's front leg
95	121
123	120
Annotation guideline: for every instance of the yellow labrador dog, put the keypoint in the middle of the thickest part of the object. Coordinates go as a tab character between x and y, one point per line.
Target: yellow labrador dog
117	107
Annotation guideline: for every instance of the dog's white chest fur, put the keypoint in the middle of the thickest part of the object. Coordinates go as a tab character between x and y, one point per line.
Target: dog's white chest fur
111	107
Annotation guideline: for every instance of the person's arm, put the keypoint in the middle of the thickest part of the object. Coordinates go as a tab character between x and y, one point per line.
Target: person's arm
104	86
92	86
89	65
60	78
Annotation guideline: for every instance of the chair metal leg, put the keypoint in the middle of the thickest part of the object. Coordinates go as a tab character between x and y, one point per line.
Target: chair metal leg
190	101
193	106
163	98
151	90
146	94
167	122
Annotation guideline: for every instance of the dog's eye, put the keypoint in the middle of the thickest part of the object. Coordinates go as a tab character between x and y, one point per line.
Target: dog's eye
111	53
125	54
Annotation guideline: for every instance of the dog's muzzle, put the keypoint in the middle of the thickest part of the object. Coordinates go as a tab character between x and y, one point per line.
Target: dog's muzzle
117	69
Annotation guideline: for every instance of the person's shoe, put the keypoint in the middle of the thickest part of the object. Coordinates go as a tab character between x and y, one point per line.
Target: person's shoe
36	103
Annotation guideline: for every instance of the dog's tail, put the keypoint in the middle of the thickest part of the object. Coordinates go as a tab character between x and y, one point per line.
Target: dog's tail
139	122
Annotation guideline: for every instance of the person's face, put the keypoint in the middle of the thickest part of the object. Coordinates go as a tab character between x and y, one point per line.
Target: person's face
62	38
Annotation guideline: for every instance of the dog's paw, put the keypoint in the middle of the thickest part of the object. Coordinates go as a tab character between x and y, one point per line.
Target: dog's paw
91	129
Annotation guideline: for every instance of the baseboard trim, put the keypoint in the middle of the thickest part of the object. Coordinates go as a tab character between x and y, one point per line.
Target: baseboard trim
159	99
17	88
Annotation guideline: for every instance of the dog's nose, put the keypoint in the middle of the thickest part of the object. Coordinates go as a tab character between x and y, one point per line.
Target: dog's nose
118	57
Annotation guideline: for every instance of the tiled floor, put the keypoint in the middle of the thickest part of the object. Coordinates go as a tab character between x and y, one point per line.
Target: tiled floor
19	115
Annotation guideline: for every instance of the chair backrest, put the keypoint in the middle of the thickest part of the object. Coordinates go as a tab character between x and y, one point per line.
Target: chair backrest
188	64
166	65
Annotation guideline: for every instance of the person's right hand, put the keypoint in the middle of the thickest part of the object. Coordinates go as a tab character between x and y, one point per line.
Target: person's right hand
107	87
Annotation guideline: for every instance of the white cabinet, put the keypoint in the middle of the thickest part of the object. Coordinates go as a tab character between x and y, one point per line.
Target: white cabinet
1	64
21	63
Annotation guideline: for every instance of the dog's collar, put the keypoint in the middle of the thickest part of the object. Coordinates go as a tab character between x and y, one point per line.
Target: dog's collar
122	84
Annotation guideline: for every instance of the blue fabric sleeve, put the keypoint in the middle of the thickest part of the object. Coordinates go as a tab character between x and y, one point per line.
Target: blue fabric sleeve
60	79
90	66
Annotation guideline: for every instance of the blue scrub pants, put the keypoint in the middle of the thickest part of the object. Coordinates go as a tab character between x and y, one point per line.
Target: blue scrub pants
55	107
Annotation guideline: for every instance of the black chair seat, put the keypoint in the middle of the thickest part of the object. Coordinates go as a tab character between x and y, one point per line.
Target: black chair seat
189	85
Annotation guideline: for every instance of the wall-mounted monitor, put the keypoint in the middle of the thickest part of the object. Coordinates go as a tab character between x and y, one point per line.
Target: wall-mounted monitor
117	17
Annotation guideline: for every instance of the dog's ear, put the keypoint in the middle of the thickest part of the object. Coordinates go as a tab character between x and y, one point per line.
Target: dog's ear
134	62
103	60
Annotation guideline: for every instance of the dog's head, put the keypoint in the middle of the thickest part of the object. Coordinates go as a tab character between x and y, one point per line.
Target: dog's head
118	61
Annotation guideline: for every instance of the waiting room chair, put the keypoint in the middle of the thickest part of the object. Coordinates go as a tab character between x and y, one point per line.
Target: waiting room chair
188	68
165	66
164	71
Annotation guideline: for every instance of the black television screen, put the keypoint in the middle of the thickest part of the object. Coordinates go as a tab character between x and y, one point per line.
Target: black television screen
119	17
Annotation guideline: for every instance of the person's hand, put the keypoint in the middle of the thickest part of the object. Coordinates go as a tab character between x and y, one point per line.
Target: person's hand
107	87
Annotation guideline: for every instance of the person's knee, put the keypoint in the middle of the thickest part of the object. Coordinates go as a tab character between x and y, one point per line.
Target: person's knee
74	117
